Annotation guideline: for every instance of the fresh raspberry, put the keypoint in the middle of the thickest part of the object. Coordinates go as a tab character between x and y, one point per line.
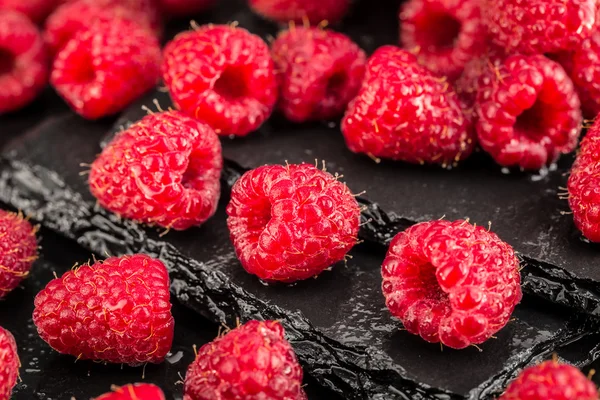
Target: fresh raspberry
23	61
315	11
137	391
539	26
466	85
9	363
404	112
289	223
222	75
444	34
18	250
106	67
451	282
117	310
36	10
584	185
551	381
164	170
184	8
319	72
528	112
75	16
253	361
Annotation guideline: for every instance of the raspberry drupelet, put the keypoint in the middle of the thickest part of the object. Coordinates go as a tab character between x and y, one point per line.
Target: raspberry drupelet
313	11
551	380
584	185
404	112
291	222
23	61
444	34
117	310
539	26
253	361
451	282
319	72
164	170
137	391
222	75
18	250
9	363
35	10
528	112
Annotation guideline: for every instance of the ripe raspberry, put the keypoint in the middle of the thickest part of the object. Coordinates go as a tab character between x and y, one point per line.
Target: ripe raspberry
289	223
116	311
466	85
184	8
72	17
9	363
584	185
315	11
23	61
253	361
389	118
528	112
18	250
451	282
539	26
222	75
36	10
319	72
551	381
137	391
103	69
163	170
444	34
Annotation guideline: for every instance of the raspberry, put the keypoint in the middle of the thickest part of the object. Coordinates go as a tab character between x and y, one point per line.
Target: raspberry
36	10
551	381
289	223
9	363
389	118
18	250
253	361
163	170
116	311
138	391
528	112
451	282
466	85
315	11
539	26
103	69
584	185
222	75
444	34
23	61
184	8
75	16
319	72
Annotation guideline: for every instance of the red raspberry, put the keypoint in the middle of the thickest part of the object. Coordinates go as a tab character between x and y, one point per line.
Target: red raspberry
222	75
184	8
116	311
551	381
9	363
18	250
466	85
444	34
315	11
539	26
102	70
319	72
289	223
36	10
528	112
23	61
163	170
137	391
404	112
253	361
451	282
72	17
584	185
